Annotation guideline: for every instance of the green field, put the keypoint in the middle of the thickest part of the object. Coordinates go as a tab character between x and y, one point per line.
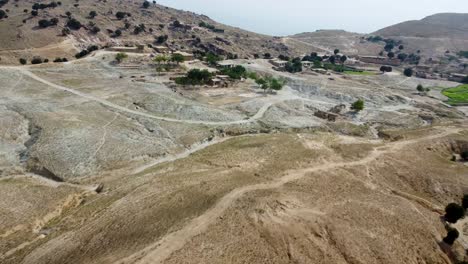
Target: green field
360	73
457	95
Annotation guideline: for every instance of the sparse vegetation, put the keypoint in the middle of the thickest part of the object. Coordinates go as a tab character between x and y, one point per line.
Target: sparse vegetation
358	105
119	57
195	77
270	83
210	27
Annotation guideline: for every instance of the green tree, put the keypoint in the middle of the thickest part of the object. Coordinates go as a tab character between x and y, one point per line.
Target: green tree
391	55
161	59
146	4
336	51
452	235
263	84
23	61
453	213
119	57
420	88
177	58
212	58
408	72
343	59
358	105
401	47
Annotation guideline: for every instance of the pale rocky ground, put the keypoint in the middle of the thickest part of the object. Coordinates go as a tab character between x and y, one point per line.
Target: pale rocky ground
188	178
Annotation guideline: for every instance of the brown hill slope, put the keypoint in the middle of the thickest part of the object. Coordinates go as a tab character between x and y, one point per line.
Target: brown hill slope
21	35
328	40
446	25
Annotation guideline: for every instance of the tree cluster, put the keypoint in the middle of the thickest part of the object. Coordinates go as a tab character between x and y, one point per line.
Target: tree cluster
195	77
384	69
44	23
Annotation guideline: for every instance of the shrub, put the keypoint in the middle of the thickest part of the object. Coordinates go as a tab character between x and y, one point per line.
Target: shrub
420	88
386	69
95	29
402	56
391	55
43	23
92	48
81	54
408	72
452	235
92	14
454	212
138	29
73	24
358	105
118	33
65	31
146	4
161	39
58	60
3	14
120	15
36	60
267	55
23	61
119	57
46	60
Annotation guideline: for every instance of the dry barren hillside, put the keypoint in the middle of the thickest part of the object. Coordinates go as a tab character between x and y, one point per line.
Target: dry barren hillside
118	23
325	41
433	35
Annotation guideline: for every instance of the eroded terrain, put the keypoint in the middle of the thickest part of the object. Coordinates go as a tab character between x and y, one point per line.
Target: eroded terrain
102	164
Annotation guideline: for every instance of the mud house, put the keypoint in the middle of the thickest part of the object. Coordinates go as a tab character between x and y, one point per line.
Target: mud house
380	60
134	49
457	77
307	64
187	56
226	64
278	63
161	49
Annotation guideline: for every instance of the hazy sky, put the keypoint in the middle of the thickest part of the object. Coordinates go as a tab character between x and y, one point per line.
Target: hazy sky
286	17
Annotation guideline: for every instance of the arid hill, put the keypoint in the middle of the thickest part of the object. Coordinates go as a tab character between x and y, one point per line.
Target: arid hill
433	35
118	23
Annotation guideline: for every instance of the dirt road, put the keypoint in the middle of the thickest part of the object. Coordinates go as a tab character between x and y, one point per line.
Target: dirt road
285	96
162	249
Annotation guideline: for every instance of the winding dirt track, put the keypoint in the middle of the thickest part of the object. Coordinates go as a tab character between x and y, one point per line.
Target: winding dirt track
163	248
261	112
